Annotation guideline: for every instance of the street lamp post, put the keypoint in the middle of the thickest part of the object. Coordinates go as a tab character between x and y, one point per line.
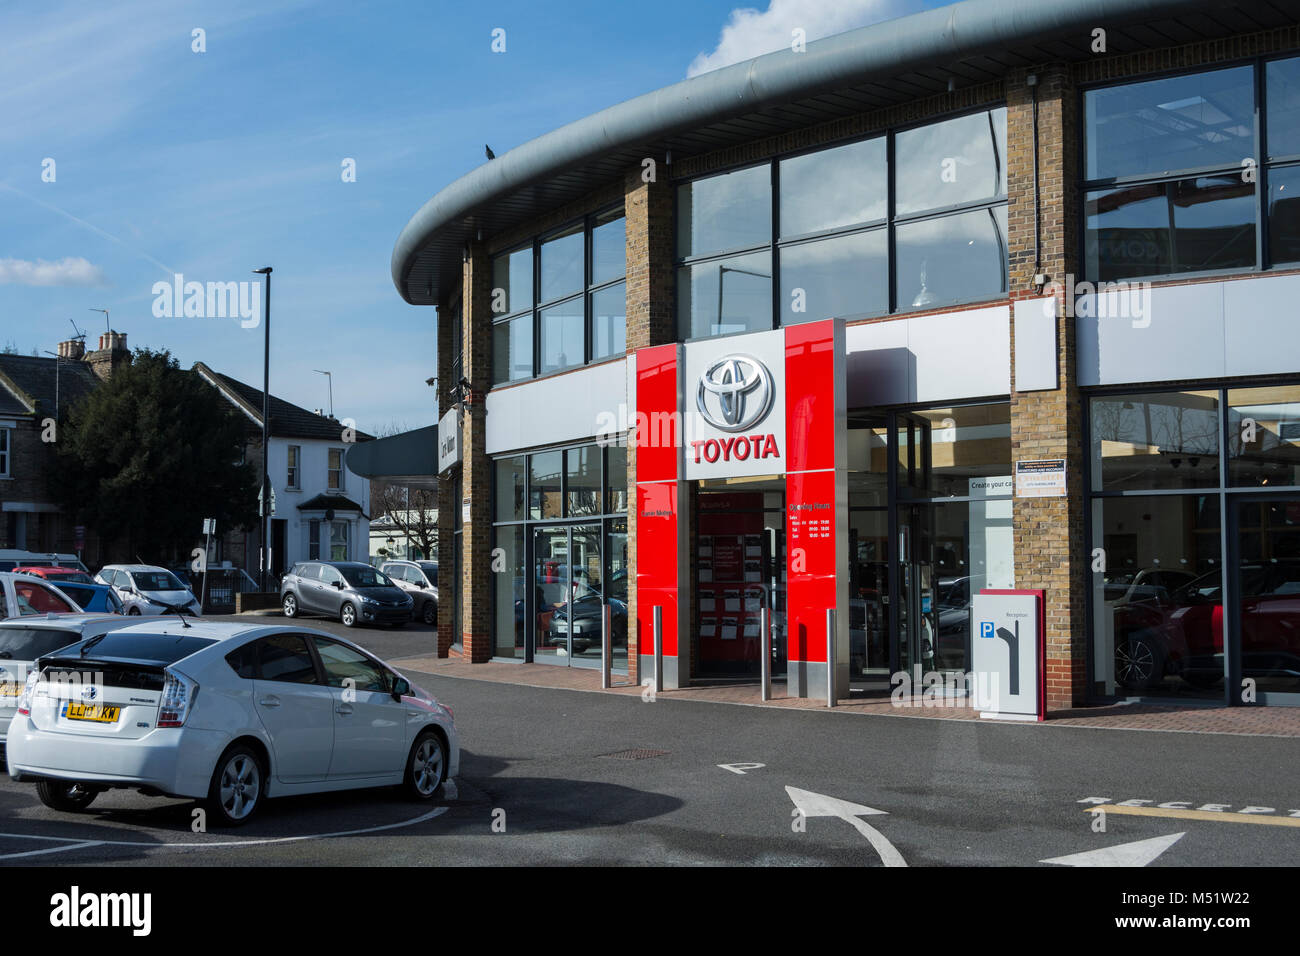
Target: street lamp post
330	379
266	431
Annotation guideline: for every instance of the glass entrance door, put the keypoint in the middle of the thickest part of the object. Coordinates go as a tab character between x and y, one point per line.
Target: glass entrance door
1266	595
918	618
568	573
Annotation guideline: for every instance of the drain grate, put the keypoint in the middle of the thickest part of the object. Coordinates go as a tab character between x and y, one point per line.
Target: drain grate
639	754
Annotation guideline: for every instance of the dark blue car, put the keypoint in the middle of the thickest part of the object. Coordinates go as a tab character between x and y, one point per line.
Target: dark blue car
93	597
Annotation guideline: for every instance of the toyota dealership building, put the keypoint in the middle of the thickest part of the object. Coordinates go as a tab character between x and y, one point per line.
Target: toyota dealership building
997	297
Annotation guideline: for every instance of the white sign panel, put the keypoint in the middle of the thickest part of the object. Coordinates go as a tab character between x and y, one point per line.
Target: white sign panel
449	440
1040	479
733	423
1006	656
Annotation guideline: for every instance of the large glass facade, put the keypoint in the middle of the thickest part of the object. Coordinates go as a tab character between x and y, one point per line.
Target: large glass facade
1195	537
561	557
575	310
1172	180
831	249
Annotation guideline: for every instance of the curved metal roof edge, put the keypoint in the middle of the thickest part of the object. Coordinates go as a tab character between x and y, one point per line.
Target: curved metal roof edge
946	33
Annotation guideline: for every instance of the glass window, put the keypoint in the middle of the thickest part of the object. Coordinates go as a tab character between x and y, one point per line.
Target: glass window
512	350
1264	436
544	484
583	486
833	188
34	598
831	278
1283	97
329	575
730	211
510	488
616	479
509	595
724	296
608	247
291	480
243	661
562	336
959	258
343	664
967	452
561	265
1155	440
4	452
868	460
1156	603
955	161
335	468
313	539
29	643
1186	225
512	281
285	658
1284	214
338	540
1173	123
609	322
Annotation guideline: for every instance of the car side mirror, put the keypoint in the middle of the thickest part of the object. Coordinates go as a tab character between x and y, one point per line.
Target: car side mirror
339	585
401	687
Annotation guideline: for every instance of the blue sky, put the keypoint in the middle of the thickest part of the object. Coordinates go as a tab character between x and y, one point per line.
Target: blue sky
213	164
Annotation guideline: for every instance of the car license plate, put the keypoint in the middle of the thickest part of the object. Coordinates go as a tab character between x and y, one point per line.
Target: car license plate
98	713
10	689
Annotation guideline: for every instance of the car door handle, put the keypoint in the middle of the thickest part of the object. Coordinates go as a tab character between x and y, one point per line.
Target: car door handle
270	701
344	709
414	713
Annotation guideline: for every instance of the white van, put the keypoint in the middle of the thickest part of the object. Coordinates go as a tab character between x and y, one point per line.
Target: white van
10	559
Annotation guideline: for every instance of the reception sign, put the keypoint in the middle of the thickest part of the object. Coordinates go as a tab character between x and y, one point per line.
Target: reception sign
1009	654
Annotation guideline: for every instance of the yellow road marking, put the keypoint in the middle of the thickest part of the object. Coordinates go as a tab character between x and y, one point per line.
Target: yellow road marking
1215	815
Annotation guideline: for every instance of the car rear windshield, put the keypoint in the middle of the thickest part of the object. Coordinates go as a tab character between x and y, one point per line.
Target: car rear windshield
29	643
366	578
153	648
79	593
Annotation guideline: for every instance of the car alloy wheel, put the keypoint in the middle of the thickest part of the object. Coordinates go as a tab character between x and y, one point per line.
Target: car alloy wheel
290	606
427	766
430	614
348	615
236	790
1135	663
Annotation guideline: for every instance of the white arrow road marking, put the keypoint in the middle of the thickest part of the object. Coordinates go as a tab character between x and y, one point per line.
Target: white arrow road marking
820	805
741	768
1138	853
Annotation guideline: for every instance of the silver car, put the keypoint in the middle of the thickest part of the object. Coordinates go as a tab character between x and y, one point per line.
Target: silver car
420	580
353	592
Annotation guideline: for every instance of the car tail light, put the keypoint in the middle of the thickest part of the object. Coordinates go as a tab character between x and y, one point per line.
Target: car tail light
29	688
177	699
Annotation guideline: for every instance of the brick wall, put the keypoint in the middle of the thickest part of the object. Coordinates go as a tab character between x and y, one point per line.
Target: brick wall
476	467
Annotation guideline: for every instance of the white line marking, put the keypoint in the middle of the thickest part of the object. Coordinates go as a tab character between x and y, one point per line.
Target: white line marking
52	849
449	790
1138	853
820	805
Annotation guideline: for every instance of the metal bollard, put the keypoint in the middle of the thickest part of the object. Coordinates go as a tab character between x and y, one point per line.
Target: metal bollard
830	657
606	644
659	648
765	649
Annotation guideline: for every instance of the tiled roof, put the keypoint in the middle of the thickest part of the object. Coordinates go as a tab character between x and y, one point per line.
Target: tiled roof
34	379
287	419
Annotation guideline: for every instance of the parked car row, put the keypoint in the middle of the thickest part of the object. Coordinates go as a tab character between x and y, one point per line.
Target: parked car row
350	591
130	589
229	714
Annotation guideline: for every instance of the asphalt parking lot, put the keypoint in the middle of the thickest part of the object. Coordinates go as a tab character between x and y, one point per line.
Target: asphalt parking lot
551	776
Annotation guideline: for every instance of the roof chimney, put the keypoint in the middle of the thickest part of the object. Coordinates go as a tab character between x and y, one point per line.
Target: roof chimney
72	349
111	355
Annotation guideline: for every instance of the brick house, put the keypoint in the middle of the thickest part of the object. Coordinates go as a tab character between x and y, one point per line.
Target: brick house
35	391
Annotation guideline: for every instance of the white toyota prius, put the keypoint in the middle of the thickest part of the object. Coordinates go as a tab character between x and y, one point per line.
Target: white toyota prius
227	713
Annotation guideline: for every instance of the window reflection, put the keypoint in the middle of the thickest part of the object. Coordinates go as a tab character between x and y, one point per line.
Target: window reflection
839	277
731	211
955	161
1155	440
952	258
725	296
833	188
1264	436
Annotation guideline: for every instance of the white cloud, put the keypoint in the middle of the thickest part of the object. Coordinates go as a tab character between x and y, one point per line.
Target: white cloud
71	270
749	33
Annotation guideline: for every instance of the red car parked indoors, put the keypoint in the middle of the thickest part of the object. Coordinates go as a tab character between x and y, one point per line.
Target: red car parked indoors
57	575
1180	632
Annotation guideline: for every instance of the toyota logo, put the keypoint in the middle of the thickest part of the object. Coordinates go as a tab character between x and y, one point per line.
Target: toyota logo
735	392
89	693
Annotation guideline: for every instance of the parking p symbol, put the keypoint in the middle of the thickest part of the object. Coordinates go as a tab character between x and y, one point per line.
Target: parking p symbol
986	628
